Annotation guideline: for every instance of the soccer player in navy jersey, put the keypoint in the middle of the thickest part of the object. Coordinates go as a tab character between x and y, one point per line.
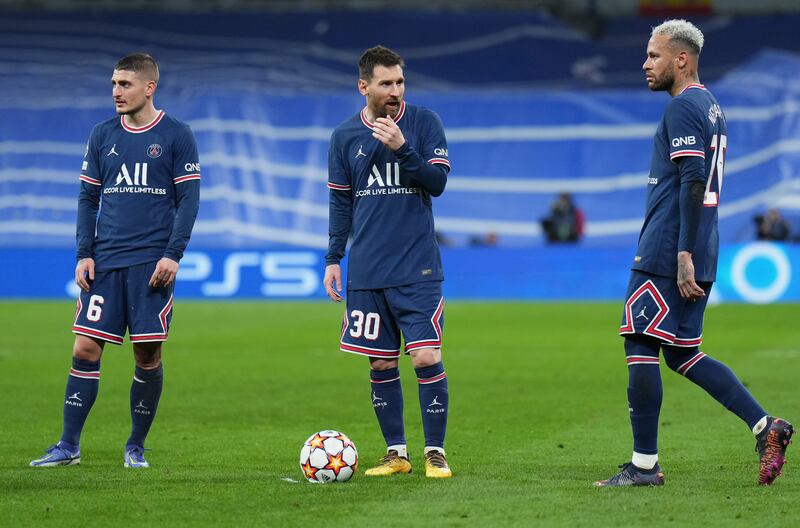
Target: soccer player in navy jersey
384	165
676	261
139	196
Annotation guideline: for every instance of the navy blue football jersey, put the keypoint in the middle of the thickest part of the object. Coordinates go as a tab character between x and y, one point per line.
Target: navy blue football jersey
693	125
146	181
393	242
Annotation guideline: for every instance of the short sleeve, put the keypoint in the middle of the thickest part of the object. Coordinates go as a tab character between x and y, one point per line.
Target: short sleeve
185	159
337	175
434	143
90	169
685	130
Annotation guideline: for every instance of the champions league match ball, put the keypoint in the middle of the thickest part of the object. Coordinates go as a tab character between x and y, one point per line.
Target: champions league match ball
328	456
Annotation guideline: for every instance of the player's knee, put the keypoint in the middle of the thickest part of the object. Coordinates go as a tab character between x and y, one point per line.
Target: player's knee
87	349
425	357
677	356
382	364
148	355
641	345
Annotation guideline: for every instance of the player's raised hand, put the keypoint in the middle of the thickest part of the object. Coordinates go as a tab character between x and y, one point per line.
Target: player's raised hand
385	130
165	273
333	282
84	270
686	284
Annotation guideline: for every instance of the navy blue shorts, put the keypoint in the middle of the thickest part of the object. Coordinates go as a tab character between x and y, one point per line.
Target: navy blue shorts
121	299
375	319
654	307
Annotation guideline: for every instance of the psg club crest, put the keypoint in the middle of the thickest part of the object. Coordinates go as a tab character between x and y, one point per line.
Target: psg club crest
154	150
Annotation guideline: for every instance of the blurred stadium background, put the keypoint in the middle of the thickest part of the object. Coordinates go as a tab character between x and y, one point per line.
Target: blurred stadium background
537	98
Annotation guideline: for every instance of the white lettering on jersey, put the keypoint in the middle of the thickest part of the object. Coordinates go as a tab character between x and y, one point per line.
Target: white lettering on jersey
686	140
139	175
192	167
392	176
714	112
440	152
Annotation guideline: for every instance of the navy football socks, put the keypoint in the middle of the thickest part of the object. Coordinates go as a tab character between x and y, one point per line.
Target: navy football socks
433	402
387	400
145	393
644	393
716	379
83	383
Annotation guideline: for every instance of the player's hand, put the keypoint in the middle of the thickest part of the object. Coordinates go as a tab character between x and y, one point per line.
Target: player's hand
84	268
333	282
165	273
686	284
385	130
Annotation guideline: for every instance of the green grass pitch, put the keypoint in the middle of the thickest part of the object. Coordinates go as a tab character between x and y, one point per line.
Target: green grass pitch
538	412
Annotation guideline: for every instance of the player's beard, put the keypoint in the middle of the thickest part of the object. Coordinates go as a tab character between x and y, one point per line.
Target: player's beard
664	82
387	110
131	110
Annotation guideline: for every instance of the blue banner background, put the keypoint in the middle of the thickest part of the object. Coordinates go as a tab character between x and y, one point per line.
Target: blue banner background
757	272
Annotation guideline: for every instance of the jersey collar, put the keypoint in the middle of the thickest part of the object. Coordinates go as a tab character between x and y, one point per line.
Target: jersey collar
145	128
400	115
694	85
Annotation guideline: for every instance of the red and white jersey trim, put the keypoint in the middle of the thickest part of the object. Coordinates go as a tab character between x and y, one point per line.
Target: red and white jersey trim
434	379
680	342
683	369
156	336
641	360
694	85
648	288
89	179
187	177
91	332
145	128
440	161
85	374
338	187
431	343
366	351
378	382
396	119
681	153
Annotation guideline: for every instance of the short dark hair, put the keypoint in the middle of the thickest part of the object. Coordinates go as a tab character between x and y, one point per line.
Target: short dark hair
375	56
141	63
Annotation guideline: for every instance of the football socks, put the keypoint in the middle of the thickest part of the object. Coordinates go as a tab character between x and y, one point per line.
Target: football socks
716	379
433	402
83	383
145	393
387	400
644	393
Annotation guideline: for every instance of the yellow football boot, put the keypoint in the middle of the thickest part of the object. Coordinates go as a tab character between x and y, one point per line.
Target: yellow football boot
390	464
436	465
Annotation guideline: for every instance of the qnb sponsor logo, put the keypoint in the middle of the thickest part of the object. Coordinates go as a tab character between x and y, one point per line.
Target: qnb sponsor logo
682	141
440	152
192	167
135	183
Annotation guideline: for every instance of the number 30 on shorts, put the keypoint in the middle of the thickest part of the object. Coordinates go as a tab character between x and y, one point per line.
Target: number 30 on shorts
368	325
